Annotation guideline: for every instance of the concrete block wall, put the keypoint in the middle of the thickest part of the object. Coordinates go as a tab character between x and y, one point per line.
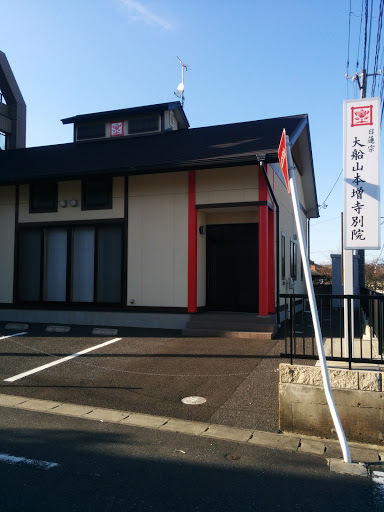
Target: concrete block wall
358	395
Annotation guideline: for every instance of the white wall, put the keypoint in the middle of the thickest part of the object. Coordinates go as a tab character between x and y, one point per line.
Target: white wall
68	190
227	185
288	227
7	230
158	240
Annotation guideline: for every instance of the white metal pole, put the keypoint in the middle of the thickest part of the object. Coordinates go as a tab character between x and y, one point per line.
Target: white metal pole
315	316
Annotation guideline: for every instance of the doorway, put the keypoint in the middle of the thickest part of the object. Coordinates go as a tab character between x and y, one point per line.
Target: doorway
232	262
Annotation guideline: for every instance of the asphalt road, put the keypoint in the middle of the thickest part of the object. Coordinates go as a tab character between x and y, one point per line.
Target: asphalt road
109	467
150	372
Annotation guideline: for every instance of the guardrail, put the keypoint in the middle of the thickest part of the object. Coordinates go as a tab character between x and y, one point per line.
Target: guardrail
360	316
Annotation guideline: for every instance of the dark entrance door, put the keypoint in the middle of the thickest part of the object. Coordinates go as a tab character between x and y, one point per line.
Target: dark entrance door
232	267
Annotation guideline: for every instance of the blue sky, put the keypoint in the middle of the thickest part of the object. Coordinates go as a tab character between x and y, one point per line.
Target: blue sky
247	60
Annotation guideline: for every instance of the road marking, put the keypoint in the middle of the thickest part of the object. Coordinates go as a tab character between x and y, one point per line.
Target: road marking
59	361
41	464
11	335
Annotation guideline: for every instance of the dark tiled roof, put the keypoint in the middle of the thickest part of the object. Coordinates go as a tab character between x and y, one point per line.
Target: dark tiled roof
198	148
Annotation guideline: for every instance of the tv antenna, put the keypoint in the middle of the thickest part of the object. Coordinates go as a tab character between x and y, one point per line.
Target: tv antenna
180	88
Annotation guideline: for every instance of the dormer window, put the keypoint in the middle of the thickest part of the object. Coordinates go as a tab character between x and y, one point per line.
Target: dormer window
149	119
3	141
143	125
90	131
172	120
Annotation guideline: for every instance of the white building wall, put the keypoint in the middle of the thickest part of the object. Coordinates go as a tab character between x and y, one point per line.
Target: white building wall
7	230
158	240
289	229
68	190
227	185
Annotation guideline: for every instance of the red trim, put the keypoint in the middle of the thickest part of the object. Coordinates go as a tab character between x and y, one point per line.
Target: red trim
192	243
263	248
271	261
263	261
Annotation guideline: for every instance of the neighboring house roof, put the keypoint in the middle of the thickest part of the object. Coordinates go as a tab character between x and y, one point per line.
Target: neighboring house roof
197	148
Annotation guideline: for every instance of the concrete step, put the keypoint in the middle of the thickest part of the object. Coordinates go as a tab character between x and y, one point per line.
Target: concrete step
217	333
230	326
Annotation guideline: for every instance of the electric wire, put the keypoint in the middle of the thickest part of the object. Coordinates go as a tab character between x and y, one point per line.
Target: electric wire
358	44
369	35
365	34
377	49
323	205
349	40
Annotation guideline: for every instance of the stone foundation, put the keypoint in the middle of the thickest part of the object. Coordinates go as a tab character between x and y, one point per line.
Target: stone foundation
358	395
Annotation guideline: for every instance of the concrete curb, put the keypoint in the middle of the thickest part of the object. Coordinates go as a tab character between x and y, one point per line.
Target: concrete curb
330	449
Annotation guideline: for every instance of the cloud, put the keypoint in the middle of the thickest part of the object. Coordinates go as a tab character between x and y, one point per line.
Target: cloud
141	13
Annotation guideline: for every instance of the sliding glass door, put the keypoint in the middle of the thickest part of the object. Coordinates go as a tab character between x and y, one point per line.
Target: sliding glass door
74	264
83	254
55	265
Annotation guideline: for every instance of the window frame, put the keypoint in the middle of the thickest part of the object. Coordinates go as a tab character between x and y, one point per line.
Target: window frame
283	257
33	190
38	283
108	185
132	120
95	135
6	140
293	260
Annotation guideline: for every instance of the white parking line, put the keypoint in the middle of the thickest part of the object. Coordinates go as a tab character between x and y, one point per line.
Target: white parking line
42	464
11	335
59	361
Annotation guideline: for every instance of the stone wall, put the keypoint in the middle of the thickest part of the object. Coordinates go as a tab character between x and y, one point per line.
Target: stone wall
358	395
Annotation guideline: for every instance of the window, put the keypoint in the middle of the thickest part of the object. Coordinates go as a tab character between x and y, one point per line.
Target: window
282	256
293	260
90	131
77	264
43	197
3	141
172	120
96	194
143	124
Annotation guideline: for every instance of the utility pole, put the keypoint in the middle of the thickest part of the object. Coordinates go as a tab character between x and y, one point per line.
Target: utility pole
362	83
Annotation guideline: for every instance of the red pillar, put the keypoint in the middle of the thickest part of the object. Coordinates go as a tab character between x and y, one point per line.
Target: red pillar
192	243
263	248
271	261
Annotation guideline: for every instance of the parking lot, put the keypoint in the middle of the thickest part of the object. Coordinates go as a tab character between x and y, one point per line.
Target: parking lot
146	370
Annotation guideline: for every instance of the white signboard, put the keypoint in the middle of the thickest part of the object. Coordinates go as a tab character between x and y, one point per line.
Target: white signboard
361	174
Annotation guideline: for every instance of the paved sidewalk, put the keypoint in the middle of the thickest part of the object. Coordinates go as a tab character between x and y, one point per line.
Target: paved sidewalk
369	455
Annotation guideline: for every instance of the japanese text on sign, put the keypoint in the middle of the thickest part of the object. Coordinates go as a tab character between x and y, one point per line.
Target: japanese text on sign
361	174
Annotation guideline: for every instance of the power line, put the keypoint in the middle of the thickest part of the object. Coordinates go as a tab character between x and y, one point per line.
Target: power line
323	205
324	221
365	35
378	44
358	45
349	35
369	35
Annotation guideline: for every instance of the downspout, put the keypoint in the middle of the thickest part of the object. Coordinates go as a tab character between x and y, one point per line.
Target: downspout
261	162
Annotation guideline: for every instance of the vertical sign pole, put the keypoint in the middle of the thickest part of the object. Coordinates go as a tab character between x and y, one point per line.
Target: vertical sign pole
315	316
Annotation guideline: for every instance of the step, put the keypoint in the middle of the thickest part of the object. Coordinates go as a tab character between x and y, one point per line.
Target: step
215	333
231	326
251	319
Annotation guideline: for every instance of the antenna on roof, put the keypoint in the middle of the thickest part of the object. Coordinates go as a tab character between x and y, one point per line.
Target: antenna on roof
180	88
